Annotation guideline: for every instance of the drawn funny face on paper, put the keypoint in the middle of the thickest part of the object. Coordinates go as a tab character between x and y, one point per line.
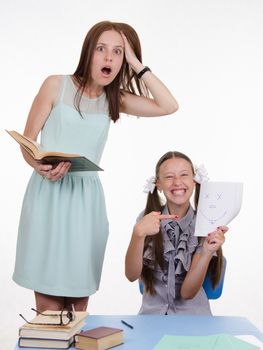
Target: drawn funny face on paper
219	203
214	207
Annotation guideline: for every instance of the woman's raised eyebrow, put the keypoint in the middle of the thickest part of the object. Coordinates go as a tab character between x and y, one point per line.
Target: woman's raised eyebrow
116	46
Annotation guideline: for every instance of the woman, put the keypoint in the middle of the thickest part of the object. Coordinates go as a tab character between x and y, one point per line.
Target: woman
63	227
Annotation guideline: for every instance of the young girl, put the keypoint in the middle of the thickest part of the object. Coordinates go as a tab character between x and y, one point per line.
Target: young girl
63	227
164	253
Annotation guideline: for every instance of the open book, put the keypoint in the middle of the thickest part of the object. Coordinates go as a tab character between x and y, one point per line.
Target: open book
78	162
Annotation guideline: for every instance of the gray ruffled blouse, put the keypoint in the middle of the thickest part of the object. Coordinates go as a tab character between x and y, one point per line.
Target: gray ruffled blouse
179	245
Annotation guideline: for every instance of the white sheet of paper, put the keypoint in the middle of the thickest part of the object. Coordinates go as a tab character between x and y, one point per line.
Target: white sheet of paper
251	339
219	203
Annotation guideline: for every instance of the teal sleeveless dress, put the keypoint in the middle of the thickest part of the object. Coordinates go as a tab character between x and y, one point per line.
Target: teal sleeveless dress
63	227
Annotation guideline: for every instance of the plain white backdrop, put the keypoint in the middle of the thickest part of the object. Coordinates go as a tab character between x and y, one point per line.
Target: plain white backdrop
210	54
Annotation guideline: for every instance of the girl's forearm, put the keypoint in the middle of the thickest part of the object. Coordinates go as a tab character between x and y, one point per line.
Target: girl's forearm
195	276
134	257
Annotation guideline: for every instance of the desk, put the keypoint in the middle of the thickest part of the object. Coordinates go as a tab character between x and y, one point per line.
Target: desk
148	329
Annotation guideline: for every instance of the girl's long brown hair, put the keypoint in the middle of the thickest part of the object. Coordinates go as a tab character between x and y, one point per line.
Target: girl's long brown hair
154	204
126	79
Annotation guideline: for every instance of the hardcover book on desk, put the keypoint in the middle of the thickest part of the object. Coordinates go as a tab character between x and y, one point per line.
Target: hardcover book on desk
45	343
99	338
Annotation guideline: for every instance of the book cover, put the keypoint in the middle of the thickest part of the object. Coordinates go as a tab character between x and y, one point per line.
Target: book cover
99	338
34	149
45	343
52	332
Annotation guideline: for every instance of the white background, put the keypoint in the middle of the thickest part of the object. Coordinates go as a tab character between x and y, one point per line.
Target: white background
210	54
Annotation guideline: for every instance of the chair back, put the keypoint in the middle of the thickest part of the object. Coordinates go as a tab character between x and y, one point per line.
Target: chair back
207	285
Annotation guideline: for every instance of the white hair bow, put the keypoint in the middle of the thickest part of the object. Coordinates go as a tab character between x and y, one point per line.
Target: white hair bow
201	174
150	185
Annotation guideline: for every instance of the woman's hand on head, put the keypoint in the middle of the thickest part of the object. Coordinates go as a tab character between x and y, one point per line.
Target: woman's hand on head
215	239
149	225
53	174
130	56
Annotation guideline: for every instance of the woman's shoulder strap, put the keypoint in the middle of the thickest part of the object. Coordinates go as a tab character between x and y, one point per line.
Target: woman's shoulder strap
63	83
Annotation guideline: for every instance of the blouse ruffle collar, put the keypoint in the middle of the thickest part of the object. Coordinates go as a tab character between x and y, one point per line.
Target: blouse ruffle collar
184	231
178	257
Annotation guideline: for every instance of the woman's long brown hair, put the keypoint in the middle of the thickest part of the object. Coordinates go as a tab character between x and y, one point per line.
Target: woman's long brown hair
154	204
126	79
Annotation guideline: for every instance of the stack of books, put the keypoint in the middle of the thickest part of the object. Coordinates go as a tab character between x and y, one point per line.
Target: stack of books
50	336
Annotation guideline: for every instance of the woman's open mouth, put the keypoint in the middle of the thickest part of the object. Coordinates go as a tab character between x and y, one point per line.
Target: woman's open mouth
106	71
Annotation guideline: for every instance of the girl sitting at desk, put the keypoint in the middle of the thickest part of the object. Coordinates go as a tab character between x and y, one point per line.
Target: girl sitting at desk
164	253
